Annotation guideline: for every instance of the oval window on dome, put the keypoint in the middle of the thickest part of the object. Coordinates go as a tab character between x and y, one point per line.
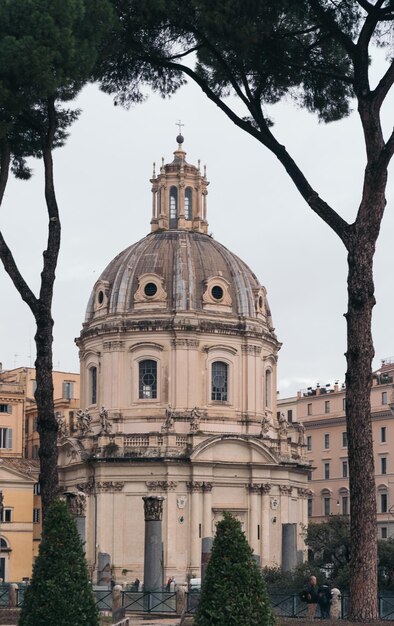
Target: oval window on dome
100	297
261	302
150	290
217	292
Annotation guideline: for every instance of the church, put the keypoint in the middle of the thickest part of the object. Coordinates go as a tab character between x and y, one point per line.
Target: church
178	359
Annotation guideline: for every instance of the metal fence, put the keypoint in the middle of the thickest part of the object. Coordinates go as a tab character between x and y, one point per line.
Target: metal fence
150	602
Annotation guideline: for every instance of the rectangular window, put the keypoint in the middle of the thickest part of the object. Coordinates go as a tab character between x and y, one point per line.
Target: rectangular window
147	380
326	441
310	408
6	438
345	505
35	424
26	425
327	406
68	390
37	489
93	385
7	516
326	506
384	397
309	474
36	516
310	507
383	434
326	471
5	408
383	532
383	502
344	439
383	465
344	404
33	386
309	443
345	469
290	416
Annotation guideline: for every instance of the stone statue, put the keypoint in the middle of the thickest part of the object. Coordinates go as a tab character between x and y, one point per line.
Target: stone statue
106	426
84	422
195	417
301	434
282	424
265	424
62	430
169	421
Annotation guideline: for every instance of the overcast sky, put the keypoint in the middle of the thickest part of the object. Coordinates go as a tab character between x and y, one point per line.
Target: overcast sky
104	195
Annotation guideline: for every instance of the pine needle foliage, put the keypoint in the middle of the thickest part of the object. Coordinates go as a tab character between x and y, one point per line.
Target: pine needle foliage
60	593
233	592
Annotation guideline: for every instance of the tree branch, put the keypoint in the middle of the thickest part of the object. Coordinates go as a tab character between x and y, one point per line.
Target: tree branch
4	168
12	270
264	136
384	86
330	23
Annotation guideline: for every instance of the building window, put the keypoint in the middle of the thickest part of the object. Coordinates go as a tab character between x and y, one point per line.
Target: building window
310	507
35	422
344	404
345	505
383	465
327	406
383	434
173	207
7	515
326	470
219	381
188	203
93	385
5	408
309	443
310	474
68	390
345	469
6	438
37	489
326	505
33	386
383	502
290	416
268	388
344	439
26	426
36	516
383	532
35	452
326	441
148	380
309	408
384	397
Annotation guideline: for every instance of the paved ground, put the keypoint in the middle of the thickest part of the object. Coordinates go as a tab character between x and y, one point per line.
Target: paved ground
151	621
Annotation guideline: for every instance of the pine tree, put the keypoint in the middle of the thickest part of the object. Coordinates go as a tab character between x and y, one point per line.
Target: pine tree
233	592
60	593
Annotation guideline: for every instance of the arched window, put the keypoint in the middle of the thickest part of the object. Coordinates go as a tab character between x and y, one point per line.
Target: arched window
93	385
173	207
219	383
326	502
188	203
147	380
268	389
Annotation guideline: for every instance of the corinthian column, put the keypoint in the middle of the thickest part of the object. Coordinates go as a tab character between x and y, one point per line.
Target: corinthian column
153	574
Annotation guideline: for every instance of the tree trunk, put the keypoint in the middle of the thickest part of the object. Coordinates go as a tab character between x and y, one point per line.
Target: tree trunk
46	421
360	352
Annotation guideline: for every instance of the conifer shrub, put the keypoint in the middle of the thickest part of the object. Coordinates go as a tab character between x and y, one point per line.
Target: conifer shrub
233	592
60	593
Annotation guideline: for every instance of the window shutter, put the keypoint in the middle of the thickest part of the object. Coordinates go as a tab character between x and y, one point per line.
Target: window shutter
8	442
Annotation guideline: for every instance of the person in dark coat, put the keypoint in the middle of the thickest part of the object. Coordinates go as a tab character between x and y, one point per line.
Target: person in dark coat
324	600
312	596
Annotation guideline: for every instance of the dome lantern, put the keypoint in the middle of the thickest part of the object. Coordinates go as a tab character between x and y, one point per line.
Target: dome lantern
179	195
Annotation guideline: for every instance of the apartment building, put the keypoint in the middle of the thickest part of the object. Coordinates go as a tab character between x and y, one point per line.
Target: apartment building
321	410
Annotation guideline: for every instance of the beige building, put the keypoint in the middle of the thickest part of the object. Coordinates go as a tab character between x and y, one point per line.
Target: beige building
321	410
20	524
178	389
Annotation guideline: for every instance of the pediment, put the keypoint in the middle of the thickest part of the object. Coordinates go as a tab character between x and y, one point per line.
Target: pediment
233	449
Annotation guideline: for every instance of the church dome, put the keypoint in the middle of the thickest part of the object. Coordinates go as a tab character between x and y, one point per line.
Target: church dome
177	270
178	267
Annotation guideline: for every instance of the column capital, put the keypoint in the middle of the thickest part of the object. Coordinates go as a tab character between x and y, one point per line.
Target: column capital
153	508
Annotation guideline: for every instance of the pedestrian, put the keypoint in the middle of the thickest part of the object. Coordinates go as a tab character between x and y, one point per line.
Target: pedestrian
310	595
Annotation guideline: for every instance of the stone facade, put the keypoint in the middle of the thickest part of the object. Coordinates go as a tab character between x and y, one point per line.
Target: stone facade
178	396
